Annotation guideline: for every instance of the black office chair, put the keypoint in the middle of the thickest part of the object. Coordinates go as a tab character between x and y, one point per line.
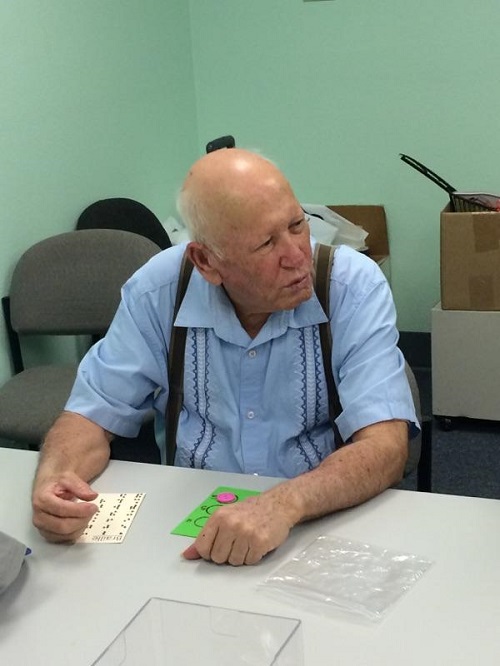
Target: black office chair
420	454
221	142
68	285
424	468
126	215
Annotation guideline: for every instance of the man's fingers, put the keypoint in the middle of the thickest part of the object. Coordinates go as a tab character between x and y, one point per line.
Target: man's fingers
238	554
57	513
222	548
52	505
57	537
71	487
62	506
253	556
59	498
235	554
55	528
206	539
204	544
191	553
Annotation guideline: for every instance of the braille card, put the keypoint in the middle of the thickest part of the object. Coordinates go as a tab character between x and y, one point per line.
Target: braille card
115	515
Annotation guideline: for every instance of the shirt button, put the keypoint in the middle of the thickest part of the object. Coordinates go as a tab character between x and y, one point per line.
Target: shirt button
250	414
252	353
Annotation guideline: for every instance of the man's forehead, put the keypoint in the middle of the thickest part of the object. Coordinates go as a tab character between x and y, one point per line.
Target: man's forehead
259	220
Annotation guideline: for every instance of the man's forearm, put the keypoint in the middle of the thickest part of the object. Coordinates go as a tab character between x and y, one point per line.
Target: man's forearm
74	444
348	477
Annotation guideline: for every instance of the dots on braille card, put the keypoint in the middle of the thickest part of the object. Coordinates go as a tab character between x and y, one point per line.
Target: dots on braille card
113	519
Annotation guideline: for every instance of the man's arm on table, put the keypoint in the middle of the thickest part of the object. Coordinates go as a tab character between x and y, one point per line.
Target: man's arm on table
74	452
243	533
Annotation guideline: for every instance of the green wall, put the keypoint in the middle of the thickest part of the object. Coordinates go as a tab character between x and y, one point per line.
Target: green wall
96	100
117	97
334	91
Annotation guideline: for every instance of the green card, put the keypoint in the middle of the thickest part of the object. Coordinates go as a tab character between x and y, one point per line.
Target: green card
221	496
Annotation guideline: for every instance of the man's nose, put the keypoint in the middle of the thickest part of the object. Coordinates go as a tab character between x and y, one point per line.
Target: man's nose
292	254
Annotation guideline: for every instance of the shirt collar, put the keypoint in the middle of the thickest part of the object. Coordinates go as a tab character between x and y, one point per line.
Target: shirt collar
208	306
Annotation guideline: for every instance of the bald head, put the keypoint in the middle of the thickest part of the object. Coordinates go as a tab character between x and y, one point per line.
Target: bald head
224	189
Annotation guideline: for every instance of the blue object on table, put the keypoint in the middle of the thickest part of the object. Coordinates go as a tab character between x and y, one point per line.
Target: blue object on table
12	553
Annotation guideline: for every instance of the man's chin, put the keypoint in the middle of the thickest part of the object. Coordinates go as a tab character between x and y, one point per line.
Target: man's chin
296	299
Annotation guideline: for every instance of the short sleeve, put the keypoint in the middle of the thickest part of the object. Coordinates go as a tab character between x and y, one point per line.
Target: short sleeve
369	366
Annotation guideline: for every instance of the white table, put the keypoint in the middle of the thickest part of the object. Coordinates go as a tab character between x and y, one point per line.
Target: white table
71	601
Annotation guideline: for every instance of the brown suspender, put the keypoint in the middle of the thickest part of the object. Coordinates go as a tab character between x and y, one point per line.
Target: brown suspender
323	262
176	365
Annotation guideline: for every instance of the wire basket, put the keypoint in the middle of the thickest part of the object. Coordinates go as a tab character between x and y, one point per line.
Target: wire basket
461	202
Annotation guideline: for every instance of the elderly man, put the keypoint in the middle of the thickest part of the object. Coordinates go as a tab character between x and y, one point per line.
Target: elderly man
255	397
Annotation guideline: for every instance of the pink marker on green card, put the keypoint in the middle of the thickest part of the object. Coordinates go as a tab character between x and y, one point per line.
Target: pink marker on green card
221	496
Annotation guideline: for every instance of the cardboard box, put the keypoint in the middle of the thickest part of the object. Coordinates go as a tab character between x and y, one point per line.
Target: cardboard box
372	219
465	363
470	260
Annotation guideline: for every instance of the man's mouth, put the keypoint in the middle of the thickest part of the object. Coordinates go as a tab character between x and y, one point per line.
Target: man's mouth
300	282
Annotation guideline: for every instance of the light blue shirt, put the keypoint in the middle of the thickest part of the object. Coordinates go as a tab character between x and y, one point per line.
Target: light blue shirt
250	405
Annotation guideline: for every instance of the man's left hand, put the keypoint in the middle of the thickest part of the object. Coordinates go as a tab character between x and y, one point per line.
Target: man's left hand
241	533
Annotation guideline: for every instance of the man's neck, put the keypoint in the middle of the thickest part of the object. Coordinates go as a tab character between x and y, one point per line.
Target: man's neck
252	323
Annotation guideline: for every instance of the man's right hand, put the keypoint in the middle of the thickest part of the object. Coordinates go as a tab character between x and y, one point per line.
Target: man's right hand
57	513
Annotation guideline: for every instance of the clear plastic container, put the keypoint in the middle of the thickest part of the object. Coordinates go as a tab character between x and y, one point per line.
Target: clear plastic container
173	632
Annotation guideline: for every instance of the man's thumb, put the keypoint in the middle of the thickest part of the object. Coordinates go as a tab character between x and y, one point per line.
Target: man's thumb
191	553
79	489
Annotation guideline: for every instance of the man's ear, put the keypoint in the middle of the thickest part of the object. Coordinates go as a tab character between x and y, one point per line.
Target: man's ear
205	262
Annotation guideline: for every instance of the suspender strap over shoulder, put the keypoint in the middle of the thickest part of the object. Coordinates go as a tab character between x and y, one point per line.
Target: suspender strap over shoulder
176	364
323	264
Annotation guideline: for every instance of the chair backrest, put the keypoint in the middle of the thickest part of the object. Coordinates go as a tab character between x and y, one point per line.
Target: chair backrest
127	215
70	284
415	447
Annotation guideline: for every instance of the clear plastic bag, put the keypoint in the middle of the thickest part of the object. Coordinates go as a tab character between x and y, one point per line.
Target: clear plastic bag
330	228
333	573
